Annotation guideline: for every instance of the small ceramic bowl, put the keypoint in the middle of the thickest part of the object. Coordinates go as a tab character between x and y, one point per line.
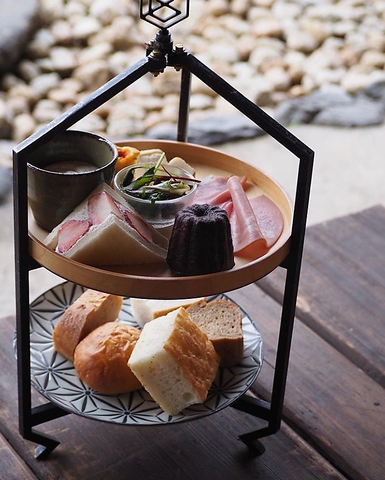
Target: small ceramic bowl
64	171
158	213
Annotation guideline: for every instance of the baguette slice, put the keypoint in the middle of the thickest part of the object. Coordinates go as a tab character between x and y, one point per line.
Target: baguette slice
88	312
221	320
145	310
174	361
114	234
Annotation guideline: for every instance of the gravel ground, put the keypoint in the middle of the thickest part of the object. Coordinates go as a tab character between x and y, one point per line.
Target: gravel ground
269	50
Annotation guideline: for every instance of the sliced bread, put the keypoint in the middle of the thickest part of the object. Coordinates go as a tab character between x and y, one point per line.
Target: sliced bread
174	361
221	320
145	310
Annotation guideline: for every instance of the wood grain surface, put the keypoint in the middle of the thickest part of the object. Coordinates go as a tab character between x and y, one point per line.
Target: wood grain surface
334	412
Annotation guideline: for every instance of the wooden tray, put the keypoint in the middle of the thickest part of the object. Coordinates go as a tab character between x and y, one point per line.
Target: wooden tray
156	281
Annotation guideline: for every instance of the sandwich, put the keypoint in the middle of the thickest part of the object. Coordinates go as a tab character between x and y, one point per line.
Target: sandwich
105	230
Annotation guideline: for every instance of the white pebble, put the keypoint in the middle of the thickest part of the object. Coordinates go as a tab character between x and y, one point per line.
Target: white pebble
43	83
41	44
106	10
28	69
91	123
93	75
62	32
85	27
24	125
46	110
63	59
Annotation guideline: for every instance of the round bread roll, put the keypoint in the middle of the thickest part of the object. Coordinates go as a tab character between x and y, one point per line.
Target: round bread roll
101	358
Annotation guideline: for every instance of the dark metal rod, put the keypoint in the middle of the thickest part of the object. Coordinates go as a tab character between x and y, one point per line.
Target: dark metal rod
250	438
47	412
291	289
22	296
184	103
46	444
306	158
253	406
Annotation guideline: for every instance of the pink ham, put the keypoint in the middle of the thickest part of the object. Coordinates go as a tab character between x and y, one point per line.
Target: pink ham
256	223
269	218
248	239
214	191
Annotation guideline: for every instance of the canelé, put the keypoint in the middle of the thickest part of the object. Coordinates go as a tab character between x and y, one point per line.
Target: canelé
200	241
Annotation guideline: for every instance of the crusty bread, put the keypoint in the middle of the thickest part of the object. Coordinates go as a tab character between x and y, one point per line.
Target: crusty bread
88	312
101	358
175	361
221	320
145	310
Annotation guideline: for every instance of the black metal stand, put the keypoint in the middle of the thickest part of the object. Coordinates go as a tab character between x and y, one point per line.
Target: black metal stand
160	54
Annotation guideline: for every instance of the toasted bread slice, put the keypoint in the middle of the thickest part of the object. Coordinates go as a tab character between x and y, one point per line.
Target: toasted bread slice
221	320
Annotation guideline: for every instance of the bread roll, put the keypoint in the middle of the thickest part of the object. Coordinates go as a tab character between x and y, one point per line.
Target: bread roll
88	312
145	310
101	358
175	361
221	320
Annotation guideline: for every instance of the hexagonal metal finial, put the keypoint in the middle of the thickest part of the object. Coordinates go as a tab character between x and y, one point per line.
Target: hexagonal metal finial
164	13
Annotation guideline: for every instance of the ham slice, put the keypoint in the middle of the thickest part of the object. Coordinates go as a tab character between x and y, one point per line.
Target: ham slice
256	223
269	218
248	239
214	190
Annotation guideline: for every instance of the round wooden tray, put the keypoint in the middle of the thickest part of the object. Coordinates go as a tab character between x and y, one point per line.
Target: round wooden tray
156	281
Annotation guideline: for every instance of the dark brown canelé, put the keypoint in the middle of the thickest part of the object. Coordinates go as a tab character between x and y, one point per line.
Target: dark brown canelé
200	241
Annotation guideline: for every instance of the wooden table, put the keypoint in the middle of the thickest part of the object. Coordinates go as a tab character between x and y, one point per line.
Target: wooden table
334	414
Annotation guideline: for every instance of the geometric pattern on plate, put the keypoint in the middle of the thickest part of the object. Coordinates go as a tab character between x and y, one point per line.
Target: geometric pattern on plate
55	377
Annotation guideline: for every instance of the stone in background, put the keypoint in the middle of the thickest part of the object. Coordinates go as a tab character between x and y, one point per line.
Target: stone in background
303	62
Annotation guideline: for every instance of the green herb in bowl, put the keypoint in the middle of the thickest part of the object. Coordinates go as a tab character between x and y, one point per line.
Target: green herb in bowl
157	192
158	182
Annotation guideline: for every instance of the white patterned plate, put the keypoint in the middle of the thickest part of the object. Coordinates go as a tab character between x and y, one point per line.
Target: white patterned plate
56	379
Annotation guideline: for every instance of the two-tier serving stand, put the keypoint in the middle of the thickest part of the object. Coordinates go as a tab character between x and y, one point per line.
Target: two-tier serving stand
30	252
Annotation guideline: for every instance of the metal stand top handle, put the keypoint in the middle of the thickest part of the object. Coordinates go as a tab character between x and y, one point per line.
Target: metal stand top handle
164	13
